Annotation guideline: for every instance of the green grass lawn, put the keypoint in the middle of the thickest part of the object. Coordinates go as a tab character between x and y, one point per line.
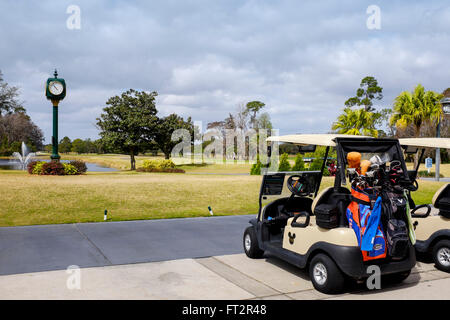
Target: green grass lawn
29	199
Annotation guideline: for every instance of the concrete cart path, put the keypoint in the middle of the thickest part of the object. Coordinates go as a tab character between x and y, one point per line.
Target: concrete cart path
55	247
220	277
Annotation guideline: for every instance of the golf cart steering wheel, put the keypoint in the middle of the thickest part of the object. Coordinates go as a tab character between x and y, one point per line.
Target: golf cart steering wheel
297	185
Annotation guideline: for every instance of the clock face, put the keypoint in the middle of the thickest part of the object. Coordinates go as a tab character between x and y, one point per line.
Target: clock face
55	88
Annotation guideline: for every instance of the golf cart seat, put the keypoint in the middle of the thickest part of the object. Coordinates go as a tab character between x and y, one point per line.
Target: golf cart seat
441	200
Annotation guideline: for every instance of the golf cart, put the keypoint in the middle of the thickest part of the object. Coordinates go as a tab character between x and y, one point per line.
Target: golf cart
317	231
432	228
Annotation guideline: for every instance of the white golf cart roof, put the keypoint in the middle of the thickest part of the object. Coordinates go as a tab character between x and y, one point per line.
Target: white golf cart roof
443	143
312	139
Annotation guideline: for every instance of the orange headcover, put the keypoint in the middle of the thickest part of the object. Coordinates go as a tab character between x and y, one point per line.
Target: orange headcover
354	160
365	165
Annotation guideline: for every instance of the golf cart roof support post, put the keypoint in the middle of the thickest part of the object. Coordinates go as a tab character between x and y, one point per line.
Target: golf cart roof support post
416	169
260	197
267	166
321	170
339	177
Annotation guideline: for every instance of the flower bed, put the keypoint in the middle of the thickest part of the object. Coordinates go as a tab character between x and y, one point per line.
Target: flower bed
56	168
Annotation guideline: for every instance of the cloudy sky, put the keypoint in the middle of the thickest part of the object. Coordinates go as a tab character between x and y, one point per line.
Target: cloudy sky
204	57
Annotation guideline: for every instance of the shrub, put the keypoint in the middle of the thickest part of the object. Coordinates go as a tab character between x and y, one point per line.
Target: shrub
424	173
167	164
69	169
79	165
299	163
284	163
174	170
256	168
53	168
31	166
316	165
38	168
326	172
332	168
159	166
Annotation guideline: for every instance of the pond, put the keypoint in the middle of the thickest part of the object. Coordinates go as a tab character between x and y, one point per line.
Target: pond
7	164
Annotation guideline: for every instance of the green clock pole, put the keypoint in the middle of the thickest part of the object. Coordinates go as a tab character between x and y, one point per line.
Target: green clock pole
55	90
55	155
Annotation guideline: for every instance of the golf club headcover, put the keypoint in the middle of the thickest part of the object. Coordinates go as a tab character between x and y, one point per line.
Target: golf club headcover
354	160
365	165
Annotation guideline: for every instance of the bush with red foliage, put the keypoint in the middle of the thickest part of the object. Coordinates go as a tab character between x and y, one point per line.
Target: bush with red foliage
30	166
332	168
55	168
80	165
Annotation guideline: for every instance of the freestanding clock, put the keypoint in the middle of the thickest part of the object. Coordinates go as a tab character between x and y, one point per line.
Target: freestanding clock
55	90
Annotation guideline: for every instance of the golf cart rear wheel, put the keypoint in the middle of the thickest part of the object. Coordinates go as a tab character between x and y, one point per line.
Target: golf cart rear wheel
250	243
325	274
441	255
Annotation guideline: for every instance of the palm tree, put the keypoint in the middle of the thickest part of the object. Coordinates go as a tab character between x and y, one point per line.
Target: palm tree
416	108
356	122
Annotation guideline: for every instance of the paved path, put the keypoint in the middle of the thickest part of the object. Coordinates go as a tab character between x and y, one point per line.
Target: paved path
433	179
220	277
55	247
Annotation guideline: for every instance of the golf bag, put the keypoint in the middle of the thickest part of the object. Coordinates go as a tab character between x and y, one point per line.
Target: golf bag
394	208
365	219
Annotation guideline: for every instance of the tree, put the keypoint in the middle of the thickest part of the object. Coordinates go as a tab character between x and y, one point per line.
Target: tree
416	108
8	98
264	121
164	129
252	108
128	122
18	127
446	93
65	145
284	163
89	146
299	163
368	90
356	122
78	146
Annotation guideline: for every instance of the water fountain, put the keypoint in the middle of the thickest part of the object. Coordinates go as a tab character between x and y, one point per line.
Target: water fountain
25	157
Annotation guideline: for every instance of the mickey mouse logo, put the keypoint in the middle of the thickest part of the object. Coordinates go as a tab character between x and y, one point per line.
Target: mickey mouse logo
291	238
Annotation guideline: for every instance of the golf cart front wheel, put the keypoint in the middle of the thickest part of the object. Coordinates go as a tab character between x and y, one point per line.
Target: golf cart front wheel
325	274
250	243
441	255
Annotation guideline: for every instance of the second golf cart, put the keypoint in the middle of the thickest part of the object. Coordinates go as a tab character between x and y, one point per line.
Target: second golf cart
325	232
432	227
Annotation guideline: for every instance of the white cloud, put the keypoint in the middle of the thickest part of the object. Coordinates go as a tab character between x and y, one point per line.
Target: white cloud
303	59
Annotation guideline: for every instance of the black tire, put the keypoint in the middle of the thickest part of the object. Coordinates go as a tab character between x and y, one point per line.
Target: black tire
334	281
441	255
396	277
251	249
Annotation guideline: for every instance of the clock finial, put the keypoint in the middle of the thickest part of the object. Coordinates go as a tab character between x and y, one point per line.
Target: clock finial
56	74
